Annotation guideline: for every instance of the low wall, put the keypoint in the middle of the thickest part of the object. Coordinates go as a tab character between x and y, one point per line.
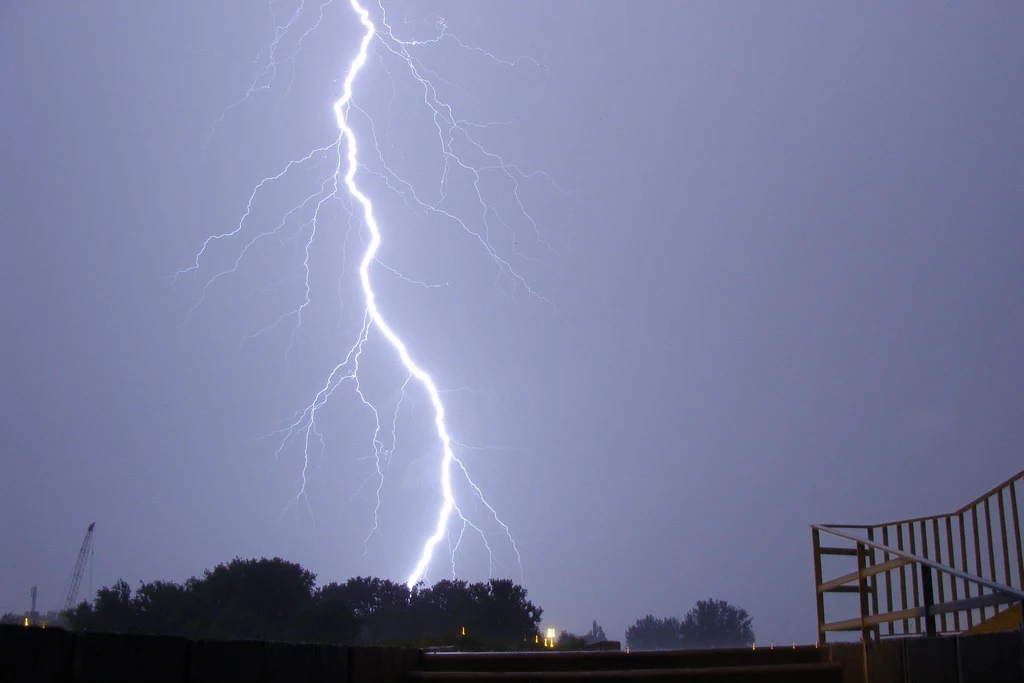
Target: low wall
982	658
35	654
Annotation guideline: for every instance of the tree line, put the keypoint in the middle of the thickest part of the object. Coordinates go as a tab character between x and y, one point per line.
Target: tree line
710	624
277	600
272	599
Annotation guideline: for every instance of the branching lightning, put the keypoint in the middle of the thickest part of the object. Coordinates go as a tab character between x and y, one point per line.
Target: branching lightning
343	155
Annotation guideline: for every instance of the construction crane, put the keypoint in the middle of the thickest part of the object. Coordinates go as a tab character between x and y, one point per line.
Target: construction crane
76	574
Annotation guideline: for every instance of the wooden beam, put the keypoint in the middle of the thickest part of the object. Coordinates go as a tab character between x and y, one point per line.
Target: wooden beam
993	572
954	606
888	579
928	593
977	549
865	629
967	567
915	587
831	586
990	600
903	580
873	582
886	566
952	563
873	620
1017	536
820	599
939	577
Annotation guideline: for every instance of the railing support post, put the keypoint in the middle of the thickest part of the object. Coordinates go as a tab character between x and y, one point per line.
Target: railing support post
862	590
929	601
820	597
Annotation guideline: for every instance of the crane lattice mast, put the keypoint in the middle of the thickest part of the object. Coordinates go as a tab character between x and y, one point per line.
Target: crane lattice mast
76	574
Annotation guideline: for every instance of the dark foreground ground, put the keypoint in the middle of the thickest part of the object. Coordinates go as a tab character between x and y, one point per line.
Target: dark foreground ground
33	654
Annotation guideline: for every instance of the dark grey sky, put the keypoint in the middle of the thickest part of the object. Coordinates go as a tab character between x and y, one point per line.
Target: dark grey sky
787	291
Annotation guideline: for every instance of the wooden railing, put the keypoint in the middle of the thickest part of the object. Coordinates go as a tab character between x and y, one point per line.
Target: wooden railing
927	575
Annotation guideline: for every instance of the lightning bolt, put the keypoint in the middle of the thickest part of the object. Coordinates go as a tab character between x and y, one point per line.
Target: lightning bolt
344	155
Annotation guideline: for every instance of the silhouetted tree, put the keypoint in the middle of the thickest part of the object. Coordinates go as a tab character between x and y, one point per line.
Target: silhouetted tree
278	600
381	606
651	633
165	607
113	610
10	619
716	623
328	619
570	641
501	613
252	599
444	608
596	634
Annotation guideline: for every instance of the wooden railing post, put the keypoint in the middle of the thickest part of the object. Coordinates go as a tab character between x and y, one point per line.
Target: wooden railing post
913	577
862	591
1016	534
929	600
903	580
819	596
873	583
939	577
952	563
1004	532
977	551
888	579
992	571
966	567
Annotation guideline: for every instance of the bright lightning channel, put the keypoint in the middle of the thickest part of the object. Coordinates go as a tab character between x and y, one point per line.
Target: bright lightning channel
304	425
341	110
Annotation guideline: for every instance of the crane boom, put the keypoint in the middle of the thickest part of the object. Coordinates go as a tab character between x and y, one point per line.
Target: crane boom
76	574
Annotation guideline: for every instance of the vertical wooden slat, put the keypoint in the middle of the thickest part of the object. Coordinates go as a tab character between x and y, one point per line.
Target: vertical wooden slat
1003	531
977	551
991	546
1016	534
928	595
873	582
888	580
913	575
952	563
903	579
966	568
923	525
939	576
816	541
862	590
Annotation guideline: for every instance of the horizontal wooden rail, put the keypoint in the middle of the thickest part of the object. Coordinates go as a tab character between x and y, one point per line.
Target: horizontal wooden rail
871	570
938	566
918	612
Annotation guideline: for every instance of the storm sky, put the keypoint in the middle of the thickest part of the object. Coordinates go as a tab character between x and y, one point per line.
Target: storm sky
778	282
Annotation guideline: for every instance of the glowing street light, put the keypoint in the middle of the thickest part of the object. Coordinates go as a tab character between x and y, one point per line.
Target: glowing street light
549	636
